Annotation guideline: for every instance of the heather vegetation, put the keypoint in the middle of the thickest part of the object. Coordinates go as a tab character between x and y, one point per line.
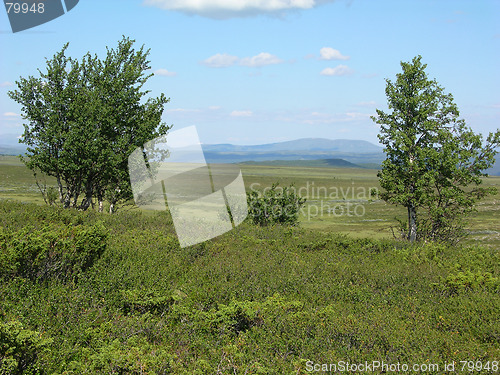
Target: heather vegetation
84	292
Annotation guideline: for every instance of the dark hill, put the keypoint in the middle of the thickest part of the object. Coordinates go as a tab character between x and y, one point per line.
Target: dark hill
325	163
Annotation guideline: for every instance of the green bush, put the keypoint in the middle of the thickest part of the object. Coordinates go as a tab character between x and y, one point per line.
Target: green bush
462	281
52	195
52	252
275	206
20	348
134	356
143	301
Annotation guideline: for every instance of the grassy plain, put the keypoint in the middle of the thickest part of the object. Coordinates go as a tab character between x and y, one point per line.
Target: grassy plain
252	301
338	199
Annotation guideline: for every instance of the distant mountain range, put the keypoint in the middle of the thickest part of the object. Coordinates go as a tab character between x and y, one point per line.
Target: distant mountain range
12	150
303	144
352	151
324	152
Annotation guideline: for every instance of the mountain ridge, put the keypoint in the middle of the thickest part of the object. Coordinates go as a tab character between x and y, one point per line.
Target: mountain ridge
302	144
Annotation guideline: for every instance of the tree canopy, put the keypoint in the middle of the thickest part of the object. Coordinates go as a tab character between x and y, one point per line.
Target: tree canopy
435	163
84	117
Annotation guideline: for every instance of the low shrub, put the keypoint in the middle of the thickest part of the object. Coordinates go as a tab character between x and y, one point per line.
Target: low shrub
142	301
462	281
20	349
51	252
275	206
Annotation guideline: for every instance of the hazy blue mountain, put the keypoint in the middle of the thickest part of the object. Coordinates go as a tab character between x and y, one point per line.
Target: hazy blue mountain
495	170
362	153
304	144
352	151
12	149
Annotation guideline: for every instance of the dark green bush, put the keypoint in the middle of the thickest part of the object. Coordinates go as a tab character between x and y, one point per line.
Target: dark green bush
143	301
275	206
467	281
51	252
20	348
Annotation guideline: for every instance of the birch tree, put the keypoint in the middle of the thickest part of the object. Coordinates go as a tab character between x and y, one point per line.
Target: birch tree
434	163
84	118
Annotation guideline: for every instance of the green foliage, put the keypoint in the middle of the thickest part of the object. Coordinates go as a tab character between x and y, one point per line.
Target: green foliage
374	193
142	301
132	356
51	195
20	349
470	280
434	161
85	117
53	251
275	206
255	300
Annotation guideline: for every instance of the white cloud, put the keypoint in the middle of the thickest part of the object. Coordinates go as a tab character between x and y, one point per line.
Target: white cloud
261	59
328	53
221	9
340	70
370	103
6	84
220	60
224	60
164	72
241	113
10	114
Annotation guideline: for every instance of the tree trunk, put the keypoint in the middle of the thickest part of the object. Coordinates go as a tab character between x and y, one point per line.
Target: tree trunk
100	200
113	199
60	188
412	223
87	201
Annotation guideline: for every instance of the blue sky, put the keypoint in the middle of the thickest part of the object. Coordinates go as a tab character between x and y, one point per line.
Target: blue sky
262	71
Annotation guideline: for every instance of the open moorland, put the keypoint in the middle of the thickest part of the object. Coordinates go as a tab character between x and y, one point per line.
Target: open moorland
90	293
